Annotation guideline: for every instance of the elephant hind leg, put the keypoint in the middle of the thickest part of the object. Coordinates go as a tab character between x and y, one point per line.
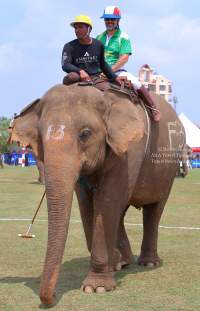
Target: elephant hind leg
123	244
151	217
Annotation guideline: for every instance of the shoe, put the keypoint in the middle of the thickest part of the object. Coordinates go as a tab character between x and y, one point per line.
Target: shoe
148	101
156	115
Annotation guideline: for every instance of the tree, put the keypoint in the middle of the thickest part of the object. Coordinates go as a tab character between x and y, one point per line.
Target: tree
4	134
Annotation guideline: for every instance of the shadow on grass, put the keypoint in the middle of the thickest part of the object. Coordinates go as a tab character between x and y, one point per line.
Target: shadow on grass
70	277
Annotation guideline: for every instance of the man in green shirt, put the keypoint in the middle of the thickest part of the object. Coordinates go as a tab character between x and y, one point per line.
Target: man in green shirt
117	49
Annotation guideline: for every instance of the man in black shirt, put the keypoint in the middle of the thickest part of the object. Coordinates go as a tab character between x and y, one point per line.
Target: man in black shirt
82	57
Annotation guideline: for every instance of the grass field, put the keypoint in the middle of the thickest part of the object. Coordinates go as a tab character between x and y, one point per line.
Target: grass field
174	285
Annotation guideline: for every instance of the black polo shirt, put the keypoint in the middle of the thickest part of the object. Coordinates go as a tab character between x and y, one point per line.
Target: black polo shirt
90	58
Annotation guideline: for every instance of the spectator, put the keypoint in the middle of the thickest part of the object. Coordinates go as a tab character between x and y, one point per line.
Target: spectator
16	159
1	160
26	159
9	158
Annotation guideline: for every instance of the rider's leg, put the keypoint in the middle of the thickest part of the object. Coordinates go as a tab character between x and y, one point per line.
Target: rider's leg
71	78
143	93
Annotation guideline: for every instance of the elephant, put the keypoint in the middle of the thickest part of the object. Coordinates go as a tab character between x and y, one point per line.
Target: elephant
113	155
184	157
39	163
40	166
1	160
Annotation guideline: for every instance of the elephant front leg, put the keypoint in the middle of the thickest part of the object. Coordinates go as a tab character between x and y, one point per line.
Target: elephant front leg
87	213
103	252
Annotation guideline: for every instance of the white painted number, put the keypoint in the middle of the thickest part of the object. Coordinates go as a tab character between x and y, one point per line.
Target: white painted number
59	128
175	128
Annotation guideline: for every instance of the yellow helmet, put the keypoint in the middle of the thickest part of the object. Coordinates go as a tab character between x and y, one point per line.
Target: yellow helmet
82	19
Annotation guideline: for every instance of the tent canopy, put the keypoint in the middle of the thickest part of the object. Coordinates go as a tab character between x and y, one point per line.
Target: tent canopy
191	130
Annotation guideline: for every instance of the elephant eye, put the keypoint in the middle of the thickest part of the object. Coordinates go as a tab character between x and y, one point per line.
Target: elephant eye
85	135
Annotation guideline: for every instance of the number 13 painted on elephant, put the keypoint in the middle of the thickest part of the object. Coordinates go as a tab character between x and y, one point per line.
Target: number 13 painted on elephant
60	130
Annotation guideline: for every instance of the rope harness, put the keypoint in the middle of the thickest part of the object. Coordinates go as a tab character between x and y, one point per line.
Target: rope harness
84	183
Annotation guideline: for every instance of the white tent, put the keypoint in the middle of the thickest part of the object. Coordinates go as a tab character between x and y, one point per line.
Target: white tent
191	130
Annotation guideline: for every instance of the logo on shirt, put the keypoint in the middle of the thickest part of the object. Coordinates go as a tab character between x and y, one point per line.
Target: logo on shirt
64	58
86	59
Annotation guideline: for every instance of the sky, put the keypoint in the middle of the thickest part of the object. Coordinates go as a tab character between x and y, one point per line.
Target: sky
164	34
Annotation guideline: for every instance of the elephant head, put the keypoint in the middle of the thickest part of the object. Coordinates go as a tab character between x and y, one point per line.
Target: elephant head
69	129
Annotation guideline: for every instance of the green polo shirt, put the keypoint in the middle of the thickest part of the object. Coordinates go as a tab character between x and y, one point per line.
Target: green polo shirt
118	44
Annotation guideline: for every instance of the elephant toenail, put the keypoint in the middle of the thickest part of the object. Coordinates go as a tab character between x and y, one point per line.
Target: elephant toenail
100	290
150	265
89	289
118	267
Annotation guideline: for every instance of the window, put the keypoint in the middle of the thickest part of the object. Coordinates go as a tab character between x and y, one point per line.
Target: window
162	95
170	89
152	87
145	77
162	87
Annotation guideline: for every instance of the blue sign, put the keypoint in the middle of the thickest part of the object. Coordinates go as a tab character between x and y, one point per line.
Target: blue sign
196	163
14	159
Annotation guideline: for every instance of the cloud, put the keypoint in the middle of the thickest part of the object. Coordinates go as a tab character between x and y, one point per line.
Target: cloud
10	57
169	44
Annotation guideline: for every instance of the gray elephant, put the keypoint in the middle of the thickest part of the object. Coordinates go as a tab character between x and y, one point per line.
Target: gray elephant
1	160
111	153
40	166
186	151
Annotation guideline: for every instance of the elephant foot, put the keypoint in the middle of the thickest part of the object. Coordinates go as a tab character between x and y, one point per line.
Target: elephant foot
128	260
127	256
150	261
42	182
90	289
117	263
98	285
48	301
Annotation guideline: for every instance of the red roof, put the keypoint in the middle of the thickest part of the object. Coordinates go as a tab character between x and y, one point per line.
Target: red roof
145	66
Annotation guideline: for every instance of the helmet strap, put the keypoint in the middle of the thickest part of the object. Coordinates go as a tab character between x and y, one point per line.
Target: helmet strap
87	33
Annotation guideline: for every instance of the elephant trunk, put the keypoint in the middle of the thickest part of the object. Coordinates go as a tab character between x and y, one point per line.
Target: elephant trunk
60	184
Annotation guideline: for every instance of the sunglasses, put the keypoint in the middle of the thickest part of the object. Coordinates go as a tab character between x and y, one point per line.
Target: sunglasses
110	19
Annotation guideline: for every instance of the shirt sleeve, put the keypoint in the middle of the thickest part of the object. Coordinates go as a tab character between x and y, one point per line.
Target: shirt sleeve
67	57
106	69
125	46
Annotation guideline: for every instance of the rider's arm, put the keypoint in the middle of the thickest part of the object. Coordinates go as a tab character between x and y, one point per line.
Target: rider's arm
121	62
106	69
125	51
67	57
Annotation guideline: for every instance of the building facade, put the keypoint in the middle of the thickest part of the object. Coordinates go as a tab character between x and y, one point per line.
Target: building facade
155	82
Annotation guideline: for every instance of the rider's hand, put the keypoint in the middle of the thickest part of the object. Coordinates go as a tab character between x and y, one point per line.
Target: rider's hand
84	76
120	79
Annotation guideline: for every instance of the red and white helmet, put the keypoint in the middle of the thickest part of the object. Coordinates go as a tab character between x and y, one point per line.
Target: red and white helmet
111	12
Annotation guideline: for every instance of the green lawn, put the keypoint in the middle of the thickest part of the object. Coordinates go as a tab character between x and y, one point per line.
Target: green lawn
174	285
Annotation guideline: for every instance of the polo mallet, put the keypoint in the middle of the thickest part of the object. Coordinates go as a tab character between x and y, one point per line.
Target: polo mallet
27	235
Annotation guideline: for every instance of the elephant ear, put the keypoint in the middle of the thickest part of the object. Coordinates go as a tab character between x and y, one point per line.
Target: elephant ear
124	123
23	128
